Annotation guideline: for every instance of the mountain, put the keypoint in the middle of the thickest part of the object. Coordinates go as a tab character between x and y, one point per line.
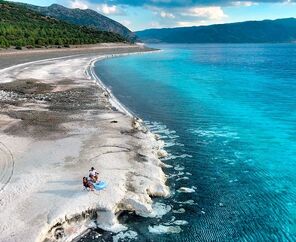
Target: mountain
266	31
20	26
88	18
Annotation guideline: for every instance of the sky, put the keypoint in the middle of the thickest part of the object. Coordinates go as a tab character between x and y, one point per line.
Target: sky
144	14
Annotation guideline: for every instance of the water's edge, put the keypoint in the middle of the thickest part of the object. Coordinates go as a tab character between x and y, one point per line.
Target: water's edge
231	108
113	100
90	73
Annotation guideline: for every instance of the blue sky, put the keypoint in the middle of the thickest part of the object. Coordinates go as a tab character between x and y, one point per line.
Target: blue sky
143	14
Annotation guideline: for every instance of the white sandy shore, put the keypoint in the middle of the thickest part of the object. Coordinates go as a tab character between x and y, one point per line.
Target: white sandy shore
40	179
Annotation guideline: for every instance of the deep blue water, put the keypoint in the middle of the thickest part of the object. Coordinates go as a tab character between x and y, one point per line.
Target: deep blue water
228	115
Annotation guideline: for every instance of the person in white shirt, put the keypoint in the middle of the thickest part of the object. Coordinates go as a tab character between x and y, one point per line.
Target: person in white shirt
93	174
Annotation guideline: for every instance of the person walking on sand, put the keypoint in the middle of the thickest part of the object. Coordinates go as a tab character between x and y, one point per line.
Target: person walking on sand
93	174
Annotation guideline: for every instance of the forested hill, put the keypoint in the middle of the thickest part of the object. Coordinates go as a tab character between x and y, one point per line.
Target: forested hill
20	26
267	31
87	17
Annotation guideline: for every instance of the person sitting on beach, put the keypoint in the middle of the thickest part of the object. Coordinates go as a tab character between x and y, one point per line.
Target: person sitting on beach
93	174
87	184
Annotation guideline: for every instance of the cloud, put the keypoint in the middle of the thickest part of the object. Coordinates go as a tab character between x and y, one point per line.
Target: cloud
126	22
188	16
182	3
244	3
165	14
154	24
108	9
190	24
168	13
289	2
210	13
78	4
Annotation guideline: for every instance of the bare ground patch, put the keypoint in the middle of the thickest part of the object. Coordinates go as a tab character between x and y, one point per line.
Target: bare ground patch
41	111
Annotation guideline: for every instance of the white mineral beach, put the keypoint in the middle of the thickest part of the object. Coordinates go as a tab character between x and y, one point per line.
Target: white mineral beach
41	172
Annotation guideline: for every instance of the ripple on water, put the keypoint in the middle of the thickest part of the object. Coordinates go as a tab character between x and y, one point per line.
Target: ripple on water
162	229
125	236
187	189
244	132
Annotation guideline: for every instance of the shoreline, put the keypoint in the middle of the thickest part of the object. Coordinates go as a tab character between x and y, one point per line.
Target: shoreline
24	56
12	51
113	100
142	144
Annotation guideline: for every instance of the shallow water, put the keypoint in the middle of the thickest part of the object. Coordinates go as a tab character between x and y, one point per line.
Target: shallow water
228	116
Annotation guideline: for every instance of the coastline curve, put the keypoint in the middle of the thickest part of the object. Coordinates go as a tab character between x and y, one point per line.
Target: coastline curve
90	73
134	190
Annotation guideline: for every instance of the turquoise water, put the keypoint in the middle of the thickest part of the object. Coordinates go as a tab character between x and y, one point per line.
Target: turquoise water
228	115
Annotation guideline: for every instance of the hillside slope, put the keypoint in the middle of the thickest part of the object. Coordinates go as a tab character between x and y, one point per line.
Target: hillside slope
20	26
267	31
88	18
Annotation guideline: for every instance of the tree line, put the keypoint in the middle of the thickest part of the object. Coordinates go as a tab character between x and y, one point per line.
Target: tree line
20	26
